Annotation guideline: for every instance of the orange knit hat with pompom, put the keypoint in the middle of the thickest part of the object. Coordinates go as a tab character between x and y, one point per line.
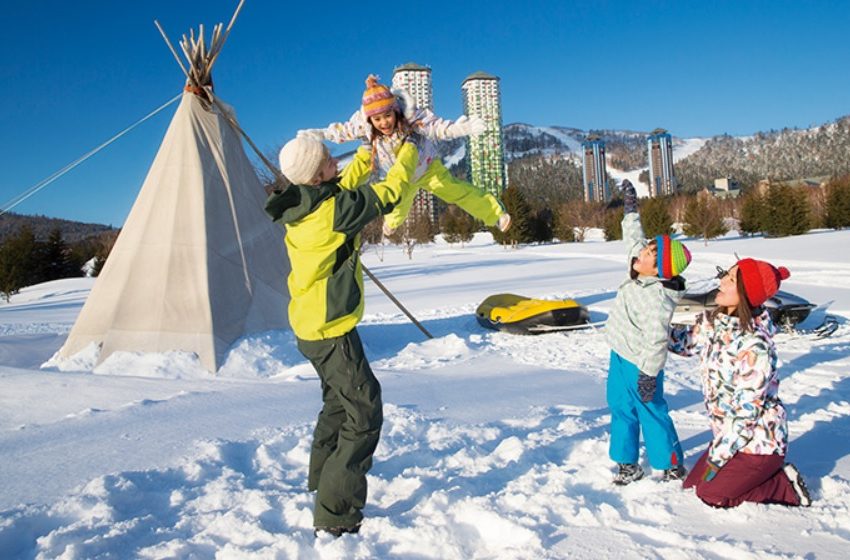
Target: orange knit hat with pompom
377	98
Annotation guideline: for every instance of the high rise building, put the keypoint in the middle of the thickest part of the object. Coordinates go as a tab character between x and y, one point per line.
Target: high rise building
662	181
416	80
594	171
485	154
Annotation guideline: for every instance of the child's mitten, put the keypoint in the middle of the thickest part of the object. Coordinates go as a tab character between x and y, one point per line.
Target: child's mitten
646	386
629	197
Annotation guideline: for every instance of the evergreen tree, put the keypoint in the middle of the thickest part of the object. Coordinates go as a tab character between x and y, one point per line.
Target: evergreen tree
540	226
838	203
450	226
613	227
467	226
11	274
516	205
563	228
801	212
751	214
786	211
704	218
655	217
20	262
56	259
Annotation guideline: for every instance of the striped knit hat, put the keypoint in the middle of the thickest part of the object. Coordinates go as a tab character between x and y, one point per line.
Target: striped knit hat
377	98
673	257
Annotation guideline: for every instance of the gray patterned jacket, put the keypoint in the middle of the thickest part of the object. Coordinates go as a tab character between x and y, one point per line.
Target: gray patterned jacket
639	323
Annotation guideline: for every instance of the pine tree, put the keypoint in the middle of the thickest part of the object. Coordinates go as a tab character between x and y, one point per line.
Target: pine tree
613	227
751	214
516	205
467	226
786	211
449	225
56	259
801	212
20	262
655	217
564	229
540	226
703	218
838	203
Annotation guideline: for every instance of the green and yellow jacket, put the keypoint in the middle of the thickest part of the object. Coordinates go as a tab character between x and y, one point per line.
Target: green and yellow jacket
323	225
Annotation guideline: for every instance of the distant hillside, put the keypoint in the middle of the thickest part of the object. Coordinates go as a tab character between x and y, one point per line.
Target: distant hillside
42	226
777	154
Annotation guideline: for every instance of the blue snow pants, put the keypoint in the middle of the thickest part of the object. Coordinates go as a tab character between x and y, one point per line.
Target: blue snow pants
630	415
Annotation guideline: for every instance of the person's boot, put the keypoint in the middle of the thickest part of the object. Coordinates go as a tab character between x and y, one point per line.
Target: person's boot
798	484
627	473
336	532
674	473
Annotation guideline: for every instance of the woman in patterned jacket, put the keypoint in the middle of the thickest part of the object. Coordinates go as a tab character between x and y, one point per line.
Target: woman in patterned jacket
745	461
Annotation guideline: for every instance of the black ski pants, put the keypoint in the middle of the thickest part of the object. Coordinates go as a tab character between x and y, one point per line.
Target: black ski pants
347	430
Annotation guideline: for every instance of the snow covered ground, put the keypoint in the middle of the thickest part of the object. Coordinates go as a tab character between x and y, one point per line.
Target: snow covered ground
494	445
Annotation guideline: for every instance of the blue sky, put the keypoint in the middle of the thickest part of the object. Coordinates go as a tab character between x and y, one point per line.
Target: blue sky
75	73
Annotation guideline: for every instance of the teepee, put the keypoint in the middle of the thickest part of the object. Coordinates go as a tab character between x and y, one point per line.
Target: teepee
198	264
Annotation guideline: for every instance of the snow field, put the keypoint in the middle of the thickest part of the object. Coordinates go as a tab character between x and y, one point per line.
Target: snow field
494	445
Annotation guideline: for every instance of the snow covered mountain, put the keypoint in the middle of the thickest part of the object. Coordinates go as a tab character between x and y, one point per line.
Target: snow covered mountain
779	154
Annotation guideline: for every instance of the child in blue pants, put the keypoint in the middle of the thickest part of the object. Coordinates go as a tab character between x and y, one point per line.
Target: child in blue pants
637	330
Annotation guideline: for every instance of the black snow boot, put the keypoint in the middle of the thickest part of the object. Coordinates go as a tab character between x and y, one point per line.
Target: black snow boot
627	473
674	473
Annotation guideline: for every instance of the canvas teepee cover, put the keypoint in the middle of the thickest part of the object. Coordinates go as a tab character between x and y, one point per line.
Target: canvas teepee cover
198	263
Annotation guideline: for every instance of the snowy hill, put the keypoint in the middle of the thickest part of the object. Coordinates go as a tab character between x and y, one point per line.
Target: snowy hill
494	445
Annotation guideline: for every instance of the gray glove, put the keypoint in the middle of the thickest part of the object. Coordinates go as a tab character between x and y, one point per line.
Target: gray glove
629	197
646	386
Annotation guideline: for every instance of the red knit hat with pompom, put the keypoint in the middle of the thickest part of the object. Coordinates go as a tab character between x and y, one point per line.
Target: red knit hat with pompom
761	279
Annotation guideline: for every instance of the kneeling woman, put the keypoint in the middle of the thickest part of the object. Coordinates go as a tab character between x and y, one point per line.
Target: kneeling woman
745	461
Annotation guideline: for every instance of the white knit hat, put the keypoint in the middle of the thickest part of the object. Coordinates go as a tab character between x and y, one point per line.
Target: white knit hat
301	158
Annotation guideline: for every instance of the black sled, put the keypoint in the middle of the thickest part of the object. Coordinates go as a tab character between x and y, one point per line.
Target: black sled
785	309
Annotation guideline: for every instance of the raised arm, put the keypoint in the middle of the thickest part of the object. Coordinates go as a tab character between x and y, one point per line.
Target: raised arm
431	126
356	208
355	128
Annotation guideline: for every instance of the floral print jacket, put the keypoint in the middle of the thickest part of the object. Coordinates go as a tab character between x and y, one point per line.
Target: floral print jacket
740	384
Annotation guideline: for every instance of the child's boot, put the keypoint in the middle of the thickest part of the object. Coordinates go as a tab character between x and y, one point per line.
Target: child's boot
627	473
676	472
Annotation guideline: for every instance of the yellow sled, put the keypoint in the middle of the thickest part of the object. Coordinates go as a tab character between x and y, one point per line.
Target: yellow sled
521	315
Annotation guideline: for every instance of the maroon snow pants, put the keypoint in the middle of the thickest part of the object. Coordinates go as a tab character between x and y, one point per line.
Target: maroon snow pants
745	478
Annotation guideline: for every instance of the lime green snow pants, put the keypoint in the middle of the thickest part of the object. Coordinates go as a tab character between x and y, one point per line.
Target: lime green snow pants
438	181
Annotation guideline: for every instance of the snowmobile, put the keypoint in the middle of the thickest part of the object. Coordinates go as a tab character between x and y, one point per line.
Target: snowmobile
786	309
522	315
